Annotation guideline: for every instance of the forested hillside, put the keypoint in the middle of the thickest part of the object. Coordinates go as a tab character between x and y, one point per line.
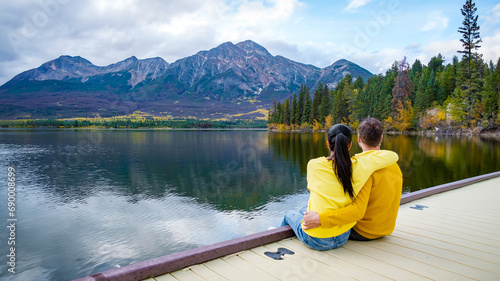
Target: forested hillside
421	97
442	95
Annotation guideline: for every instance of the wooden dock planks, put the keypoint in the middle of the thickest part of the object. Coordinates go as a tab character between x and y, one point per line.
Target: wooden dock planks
455	238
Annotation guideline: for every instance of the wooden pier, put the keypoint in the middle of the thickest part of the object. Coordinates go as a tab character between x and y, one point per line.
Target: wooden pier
449	232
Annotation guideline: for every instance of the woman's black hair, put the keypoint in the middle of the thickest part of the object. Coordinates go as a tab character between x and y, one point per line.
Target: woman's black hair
339	139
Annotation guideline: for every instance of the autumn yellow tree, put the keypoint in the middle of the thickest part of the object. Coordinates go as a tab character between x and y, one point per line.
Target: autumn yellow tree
329	122
316	125
403	117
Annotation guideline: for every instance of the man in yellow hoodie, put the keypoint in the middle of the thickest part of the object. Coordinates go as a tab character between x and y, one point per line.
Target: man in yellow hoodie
376	206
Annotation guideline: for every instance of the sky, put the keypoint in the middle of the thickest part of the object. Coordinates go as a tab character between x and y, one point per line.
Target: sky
370	33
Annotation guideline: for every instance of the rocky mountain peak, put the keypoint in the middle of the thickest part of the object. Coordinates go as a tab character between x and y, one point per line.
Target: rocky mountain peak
66	63
64	67
225	50
65	59
230	77
341	61
250	46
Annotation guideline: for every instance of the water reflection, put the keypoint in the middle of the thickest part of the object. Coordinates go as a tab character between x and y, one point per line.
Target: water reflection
424	161
298	148
228	170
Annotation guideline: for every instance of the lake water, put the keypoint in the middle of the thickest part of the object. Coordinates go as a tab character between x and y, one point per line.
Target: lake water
89	201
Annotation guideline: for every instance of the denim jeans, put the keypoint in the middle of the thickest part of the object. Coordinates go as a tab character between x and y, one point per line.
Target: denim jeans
295	218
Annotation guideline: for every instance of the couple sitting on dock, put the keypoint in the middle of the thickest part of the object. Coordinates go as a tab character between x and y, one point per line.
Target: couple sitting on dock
353	198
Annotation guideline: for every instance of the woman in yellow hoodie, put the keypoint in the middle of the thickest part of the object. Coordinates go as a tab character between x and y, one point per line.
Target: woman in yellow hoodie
333	183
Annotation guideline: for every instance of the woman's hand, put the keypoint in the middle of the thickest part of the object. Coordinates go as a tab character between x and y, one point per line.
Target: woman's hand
311	220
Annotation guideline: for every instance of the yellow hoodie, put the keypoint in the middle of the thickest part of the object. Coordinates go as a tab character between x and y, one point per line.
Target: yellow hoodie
327	192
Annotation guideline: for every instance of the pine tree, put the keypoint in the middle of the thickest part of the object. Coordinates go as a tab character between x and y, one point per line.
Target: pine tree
300	104
273	113
416	67
470	34
383	107
458	106
473	92
295	116
448	80
370	96
439	88
344	99
491	93
279	114
306	114
436	63
338	105
286	112
359	83
325	106
434	89
315	114
423	99
496	87
351	97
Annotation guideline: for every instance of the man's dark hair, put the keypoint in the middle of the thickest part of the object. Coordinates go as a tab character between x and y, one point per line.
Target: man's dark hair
370	130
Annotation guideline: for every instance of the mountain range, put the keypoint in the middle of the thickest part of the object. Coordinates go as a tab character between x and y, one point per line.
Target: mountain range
232	80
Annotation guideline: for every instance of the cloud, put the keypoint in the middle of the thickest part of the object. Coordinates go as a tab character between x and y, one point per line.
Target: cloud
106	31
435	20
492	21
257	20
412	47
354	4
379	61
446	47
490	34
491	47
495	13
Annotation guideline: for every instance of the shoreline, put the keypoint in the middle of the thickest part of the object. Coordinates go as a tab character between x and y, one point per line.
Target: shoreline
492	133
129	129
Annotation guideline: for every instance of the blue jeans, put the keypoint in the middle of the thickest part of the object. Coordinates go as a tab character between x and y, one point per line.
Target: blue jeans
295	218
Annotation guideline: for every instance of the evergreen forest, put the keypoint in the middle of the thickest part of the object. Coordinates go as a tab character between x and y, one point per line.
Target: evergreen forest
452	96
435	96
